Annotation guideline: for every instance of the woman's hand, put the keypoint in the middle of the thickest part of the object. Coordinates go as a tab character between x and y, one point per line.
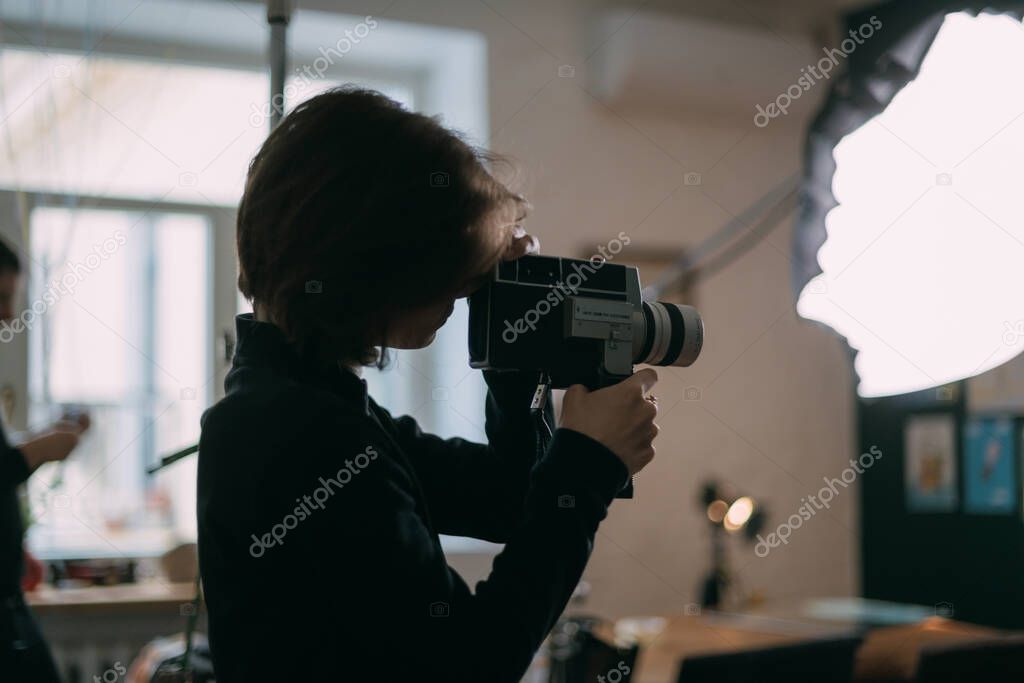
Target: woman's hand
621	417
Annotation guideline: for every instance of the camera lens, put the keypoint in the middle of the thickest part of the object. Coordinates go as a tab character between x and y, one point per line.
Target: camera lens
667	334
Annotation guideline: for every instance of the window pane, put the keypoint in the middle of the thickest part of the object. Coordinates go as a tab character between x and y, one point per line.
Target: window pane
184	346
83	264
125	332
111	126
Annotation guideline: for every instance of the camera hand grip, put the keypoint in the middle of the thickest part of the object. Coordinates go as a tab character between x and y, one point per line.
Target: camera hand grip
601	381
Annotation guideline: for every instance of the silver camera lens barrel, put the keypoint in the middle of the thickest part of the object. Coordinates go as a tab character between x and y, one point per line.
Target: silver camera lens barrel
667	334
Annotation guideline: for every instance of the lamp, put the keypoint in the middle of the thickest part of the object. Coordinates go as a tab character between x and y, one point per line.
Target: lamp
910	237
727	514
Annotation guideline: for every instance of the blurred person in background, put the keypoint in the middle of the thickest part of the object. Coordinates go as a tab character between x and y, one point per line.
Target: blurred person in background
24	655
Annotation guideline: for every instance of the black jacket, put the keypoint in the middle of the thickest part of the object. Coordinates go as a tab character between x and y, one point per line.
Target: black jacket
319	517
13	472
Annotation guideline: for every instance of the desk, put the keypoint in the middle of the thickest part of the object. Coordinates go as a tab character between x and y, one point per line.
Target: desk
888	653
891	653
151	597
91	628
687	636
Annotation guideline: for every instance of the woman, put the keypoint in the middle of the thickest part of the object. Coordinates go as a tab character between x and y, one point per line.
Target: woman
24	655
319	513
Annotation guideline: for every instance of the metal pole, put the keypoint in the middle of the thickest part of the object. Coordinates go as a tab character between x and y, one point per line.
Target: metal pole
279	13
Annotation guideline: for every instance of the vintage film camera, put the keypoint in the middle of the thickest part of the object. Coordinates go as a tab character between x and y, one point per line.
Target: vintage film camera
578	321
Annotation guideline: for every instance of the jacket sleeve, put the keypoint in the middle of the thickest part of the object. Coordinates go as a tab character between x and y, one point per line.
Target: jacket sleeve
473	489
13	467
447	632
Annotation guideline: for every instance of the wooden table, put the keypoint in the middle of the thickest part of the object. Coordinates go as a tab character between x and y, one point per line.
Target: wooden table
887	653
91	628
687	636
891	653
152	597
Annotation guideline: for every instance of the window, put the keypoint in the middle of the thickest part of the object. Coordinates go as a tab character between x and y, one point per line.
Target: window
116	127
148	146
123	330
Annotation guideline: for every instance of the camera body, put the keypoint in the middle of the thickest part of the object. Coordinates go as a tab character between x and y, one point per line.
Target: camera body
580	321
577	321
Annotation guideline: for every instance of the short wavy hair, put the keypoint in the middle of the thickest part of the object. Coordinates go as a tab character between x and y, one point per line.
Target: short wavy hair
355	210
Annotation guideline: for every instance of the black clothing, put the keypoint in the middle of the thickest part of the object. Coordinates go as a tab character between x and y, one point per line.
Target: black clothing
24	655
319	517
13	472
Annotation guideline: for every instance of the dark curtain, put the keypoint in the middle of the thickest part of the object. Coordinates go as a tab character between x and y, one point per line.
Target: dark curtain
876	71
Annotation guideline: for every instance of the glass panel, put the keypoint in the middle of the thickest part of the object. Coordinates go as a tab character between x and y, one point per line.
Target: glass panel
184	346
125	333
81	265
110	126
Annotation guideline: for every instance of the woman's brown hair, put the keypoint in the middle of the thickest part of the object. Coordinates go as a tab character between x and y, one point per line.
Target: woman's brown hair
356	210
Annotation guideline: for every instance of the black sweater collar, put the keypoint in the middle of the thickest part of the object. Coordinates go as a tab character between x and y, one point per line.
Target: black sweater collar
262	344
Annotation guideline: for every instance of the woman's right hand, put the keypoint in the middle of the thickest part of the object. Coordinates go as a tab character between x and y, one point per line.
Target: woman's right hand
621	417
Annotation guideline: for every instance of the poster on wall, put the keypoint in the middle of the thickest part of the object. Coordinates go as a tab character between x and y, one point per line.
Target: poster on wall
929	447
989	466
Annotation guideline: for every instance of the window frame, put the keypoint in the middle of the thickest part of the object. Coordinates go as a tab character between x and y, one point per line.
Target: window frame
445	68
220	290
